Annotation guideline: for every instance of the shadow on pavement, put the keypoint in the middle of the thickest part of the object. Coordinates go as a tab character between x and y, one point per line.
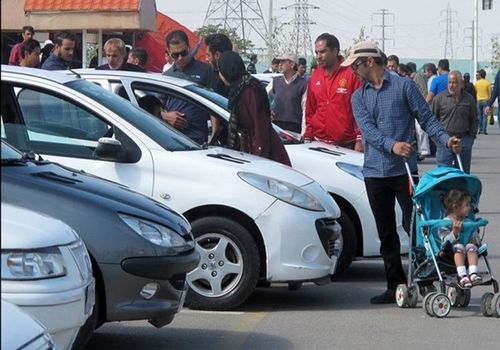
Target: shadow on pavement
115	336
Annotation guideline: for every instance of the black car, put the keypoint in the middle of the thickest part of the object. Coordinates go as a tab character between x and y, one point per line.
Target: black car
140	249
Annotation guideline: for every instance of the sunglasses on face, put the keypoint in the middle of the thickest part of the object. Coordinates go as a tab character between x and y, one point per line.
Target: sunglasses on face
357	64
176	55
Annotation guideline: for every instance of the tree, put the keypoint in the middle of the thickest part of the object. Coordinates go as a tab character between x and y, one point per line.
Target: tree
361	37
245	46
495	53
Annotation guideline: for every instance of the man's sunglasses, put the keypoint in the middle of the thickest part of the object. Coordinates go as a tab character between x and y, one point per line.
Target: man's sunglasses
358	63
176	55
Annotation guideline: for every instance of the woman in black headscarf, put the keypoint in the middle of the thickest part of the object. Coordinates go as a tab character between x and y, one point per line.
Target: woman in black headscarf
250	128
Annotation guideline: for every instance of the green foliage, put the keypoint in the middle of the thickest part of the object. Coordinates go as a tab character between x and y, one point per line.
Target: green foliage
245	46
361	37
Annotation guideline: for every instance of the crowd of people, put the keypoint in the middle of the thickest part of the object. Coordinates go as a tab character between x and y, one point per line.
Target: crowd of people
368	102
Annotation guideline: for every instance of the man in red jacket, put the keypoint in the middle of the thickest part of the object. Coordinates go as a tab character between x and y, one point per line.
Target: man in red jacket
329	115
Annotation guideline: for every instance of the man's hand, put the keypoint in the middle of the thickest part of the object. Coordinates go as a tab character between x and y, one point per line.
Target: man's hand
358	146
175	118
487	110
455	144
402	149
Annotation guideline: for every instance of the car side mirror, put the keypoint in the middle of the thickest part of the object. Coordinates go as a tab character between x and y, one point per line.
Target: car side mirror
109	149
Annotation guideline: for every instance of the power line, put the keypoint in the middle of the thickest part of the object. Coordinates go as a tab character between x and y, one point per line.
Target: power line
448	44
301	35
244	17
384	13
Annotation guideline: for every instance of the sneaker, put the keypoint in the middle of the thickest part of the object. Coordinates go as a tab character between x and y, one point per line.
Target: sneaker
387	297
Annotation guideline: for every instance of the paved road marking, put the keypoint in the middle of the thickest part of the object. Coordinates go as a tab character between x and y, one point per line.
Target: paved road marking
189	311
236	336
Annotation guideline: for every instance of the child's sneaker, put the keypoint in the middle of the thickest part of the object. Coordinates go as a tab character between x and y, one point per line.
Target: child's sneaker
464	282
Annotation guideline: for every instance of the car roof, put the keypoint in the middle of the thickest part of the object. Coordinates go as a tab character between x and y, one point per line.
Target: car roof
54	76
122	73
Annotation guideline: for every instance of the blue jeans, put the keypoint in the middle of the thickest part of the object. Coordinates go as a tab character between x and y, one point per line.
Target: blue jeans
445	157
481	113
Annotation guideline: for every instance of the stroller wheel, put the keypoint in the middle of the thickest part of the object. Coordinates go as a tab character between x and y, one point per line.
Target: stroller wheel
426	305
440	305
495	304
487	304
458	297
402	295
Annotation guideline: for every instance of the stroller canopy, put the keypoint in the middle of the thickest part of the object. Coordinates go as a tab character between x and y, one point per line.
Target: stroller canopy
446	178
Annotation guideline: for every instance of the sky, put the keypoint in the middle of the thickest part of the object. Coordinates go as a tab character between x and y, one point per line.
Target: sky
418	26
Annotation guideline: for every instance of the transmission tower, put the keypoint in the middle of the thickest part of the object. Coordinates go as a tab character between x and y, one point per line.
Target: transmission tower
384	25
448	43
301	36
244	17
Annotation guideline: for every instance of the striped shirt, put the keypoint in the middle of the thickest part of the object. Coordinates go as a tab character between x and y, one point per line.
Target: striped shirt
386	116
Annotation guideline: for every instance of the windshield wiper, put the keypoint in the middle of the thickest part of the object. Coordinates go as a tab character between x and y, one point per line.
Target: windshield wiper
25	158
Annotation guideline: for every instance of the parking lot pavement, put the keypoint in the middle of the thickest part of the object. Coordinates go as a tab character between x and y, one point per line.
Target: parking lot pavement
338	315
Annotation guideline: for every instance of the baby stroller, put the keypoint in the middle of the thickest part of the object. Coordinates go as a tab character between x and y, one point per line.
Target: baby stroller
431	261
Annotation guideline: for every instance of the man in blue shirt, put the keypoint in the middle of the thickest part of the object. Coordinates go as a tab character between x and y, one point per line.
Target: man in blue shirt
439	83
184	116
385	108
61	57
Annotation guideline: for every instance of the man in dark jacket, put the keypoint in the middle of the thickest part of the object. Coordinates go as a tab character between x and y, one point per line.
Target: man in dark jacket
61	57
469	87
495	94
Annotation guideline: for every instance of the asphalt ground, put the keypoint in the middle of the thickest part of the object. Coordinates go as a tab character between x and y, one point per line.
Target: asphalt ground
338	315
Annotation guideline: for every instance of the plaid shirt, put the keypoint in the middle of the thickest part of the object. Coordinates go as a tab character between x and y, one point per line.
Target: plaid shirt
386	116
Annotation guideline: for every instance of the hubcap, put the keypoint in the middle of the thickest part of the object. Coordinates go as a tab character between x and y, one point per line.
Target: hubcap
220	268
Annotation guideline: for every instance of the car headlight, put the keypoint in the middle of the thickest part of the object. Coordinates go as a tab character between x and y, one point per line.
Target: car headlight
283	191
153	232
33	264
352	169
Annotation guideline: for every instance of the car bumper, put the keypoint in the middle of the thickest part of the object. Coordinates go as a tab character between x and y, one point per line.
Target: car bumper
124	285
62	313
298	244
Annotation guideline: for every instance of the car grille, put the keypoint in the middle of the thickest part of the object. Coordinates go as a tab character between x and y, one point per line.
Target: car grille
82	259
332	247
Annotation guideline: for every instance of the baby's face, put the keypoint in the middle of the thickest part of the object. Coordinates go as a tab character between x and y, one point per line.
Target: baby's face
464	208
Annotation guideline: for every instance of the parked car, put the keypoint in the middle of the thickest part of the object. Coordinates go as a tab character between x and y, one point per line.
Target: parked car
140	250
251	217
21	331
46	271
337	169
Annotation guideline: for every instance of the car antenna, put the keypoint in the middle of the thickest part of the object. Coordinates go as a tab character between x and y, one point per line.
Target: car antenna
75	73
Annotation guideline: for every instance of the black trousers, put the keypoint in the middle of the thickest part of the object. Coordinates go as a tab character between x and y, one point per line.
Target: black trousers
295	127
382	194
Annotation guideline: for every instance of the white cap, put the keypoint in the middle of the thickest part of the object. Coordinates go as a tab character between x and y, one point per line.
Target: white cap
288	56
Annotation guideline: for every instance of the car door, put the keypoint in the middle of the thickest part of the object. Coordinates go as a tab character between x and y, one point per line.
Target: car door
63	127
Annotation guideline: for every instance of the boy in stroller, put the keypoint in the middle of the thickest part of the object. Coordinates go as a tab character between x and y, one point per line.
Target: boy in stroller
457	206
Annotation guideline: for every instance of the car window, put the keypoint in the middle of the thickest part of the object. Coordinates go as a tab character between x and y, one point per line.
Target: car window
58	126
167	137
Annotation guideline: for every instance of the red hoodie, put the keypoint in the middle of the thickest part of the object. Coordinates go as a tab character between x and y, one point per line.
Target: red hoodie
328	106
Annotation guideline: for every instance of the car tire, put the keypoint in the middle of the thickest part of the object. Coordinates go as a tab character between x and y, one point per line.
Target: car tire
229	266
350	243
88	328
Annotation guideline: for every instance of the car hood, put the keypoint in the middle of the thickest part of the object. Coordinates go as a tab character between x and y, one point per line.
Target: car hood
336	153
98	190
240	161
27	229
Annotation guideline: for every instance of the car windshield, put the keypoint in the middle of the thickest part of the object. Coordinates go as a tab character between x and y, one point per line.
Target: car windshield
166	136
287	137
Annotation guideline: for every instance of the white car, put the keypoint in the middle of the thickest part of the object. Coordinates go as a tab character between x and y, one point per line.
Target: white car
46	271
253	219
337	169
20	331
